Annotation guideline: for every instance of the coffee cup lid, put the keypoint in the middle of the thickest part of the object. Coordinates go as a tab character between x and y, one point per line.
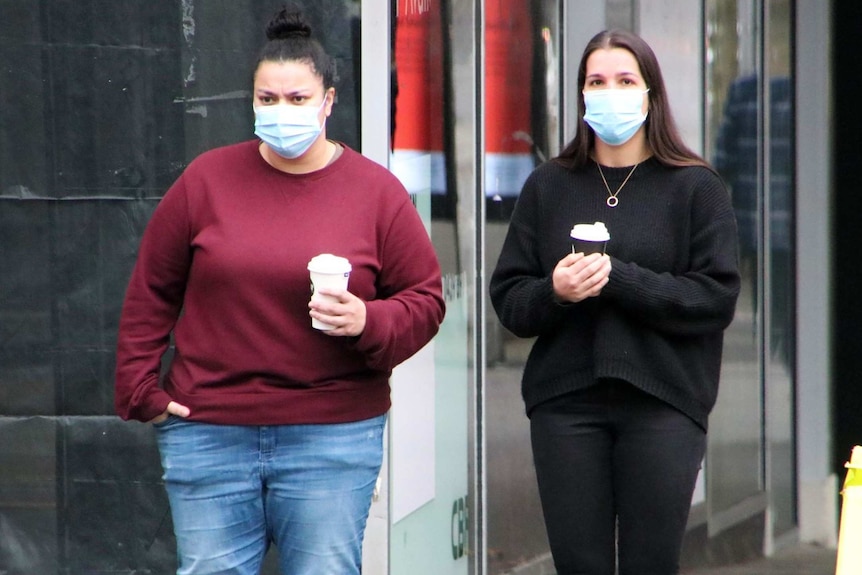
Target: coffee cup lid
596	232
329	264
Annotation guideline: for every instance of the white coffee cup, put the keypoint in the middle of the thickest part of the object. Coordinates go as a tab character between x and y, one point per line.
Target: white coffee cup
327	271
589	238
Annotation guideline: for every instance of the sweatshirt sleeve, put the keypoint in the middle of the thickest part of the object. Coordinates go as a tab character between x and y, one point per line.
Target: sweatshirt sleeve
702	298
409	307
153	301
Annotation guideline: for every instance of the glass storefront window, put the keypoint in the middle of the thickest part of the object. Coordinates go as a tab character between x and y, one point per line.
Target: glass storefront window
522	129
751	142
780	268
733	136
431	505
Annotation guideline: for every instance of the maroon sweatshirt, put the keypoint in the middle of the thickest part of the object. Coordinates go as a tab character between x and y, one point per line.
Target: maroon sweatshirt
222	266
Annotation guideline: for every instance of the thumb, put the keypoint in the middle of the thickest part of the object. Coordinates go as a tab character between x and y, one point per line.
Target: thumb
175	408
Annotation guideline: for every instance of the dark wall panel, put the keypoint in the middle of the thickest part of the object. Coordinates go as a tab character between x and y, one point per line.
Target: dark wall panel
847	386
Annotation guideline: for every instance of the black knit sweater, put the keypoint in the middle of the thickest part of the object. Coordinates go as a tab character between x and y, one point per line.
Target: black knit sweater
660	320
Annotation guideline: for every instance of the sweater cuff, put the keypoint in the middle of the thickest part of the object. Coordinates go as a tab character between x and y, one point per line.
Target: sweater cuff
621	279
153	406
547	295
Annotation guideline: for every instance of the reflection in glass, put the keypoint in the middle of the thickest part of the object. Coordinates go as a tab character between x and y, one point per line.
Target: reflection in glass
733	136
780	372
522	129
751	120
430	121
522	95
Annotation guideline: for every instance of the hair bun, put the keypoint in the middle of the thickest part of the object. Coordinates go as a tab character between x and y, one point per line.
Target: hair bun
287	23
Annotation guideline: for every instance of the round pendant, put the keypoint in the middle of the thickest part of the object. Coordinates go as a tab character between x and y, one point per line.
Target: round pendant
612	202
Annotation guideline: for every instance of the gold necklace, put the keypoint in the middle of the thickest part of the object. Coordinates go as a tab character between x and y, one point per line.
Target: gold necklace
612	200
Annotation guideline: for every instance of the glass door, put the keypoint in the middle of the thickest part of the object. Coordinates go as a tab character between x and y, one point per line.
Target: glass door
432	151
522	117
734	465
779	268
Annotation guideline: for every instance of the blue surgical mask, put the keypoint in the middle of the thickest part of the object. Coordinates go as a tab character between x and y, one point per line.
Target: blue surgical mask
289	130
614	115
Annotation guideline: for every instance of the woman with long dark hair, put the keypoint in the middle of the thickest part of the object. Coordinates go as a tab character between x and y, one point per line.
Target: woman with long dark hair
624	371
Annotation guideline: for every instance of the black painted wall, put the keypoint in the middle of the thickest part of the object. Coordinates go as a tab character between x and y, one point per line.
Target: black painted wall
847	262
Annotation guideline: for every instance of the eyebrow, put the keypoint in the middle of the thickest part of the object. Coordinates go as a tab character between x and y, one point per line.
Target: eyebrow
297	92
619	75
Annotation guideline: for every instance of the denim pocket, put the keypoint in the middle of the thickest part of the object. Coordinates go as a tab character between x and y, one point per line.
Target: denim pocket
169	420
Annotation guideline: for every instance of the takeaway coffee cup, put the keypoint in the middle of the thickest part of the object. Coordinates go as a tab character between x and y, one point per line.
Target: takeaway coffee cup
589	238
330	272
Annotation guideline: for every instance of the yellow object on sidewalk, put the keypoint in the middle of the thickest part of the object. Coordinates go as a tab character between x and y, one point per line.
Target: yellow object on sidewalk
849	560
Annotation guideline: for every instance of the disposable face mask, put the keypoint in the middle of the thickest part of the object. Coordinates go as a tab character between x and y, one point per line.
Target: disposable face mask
289	130
614	115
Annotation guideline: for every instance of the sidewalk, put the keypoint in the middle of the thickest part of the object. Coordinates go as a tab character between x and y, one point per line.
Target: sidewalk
799	560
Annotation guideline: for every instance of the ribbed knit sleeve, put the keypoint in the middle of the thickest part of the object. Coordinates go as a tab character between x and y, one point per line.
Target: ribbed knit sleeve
521	287
699	296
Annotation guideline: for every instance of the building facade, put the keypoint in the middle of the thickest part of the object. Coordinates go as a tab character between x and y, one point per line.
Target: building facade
102	105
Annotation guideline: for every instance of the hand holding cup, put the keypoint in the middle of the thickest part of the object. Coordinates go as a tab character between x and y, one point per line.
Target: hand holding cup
327	272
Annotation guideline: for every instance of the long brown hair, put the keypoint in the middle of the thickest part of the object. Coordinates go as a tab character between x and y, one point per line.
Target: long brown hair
661	132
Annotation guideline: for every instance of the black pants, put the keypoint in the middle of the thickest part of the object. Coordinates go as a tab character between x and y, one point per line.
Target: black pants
616	470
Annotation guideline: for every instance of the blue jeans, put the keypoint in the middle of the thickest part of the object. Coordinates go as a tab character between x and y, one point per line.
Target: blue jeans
616	469
235	489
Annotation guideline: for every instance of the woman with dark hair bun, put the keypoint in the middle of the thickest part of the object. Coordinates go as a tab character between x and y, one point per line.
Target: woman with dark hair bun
270	416
625	366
